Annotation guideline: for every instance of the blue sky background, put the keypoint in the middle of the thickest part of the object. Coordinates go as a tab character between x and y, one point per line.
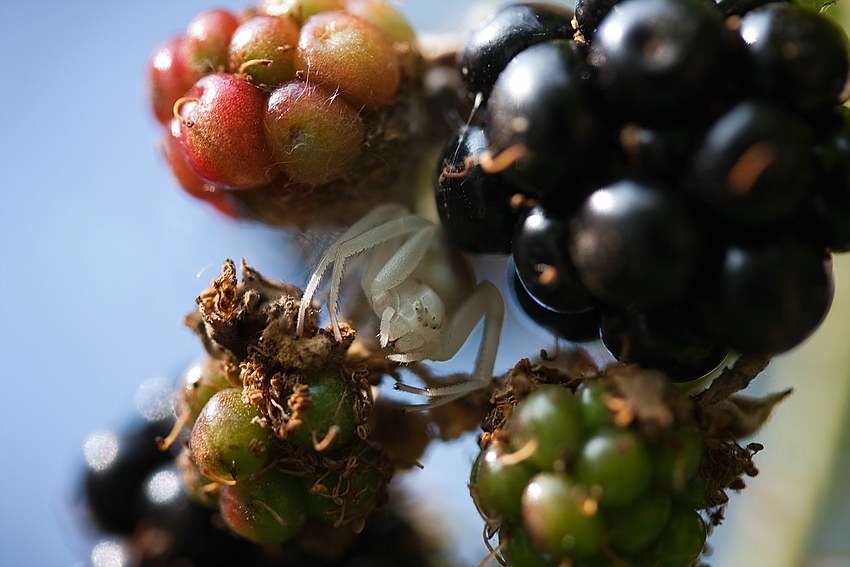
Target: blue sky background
100	254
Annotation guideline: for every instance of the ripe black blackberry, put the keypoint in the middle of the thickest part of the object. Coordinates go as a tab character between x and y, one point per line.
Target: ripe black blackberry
543	268
505	33
737	142
723	174
476	208
654	61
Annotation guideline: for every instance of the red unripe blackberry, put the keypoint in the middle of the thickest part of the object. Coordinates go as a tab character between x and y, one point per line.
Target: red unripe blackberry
266	508
385	17
207	41
314	136
270	43
221	132
299	10
168	78
349	55
186	176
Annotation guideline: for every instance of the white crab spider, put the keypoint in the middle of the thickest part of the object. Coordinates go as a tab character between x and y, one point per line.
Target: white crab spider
427	309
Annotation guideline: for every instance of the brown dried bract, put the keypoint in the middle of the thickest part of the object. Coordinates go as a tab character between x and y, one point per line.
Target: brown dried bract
655	403
404	435
259	315
575	365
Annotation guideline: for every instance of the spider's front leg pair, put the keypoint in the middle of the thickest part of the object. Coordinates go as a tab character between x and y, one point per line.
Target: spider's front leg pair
427	310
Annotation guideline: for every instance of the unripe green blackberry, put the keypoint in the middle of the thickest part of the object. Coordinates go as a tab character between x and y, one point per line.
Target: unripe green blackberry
200	382
348	495
682	540
497	484
636	526
518	551
594	412
623	487
550	420
200	489
616	461
228	443
561	517
324	409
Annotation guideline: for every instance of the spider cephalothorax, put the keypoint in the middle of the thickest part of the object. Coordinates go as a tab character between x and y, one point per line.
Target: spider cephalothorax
426	312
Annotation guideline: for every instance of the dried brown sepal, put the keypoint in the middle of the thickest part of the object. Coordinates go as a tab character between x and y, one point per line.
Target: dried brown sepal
650	397
259	315
732	380
282	395
457	417
372	361
574	367
726	464
741	417
461	416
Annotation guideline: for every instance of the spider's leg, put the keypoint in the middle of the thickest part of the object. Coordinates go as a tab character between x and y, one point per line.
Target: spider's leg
404	260
384	329
394	270
402	226
345	248
485	301
376	217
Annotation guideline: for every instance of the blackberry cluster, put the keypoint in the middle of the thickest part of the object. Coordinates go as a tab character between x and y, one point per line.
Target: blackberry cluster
143	515
672	175
279	423
577	472
275	444
133	496
279	113
235	464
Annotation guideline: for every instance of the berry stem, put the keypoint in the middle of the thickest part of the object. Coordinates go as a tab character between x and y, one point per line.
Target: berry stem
320	446
178	104
252	63
182	419
520	455
499	163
